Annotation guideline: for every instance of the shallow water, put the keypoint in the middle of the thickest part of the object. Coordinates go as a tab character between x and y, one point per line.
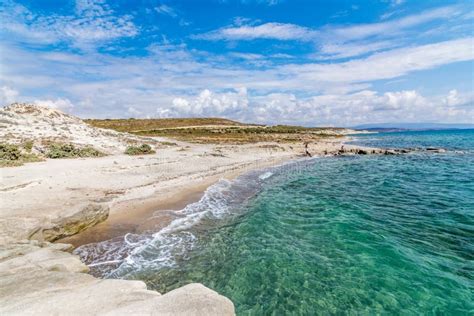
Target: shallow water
361	235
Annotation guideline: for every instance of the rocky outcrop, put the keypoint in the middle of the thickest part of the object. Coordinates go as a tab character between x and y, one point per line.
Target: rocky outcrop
39	278
72	223
356	150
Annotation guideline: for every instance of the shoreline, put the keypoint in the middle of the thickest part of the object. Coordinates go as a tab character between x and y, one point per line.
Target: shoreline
109	196
135	216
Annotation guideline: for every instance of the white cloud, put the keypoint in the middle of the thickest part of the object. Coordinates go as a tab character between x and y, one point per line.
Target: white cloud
285	31
396	2
174	73
64	105
327	109
94	22
391	27
134	112
8	95
456	99
336	42
166	10
208	103
278	31
390	64
266	2
338	50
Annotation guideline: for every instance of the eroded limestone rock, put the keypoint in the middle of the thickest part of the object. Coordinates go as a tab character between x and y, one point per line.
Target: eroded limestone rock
39	278
73	222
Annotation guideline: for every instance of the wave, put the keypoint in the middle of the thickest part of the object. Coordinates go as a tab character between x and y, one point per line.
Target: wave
120	256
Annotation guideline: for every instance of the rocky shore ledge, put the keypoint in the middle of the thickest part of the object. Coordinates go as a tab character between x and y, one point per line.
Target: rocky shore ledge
40	278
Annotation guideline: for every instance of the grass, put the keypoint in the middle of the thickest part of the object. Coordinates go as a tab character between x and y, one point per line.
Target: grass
144	149
213	130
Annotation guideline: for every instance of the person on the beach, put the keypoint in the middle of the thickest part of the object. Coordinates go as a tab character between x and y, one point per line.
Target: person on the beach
306	152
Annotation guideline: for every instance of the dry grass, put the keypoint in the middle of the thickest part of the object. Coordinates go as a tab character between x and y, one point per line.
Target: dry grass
214	130
137	125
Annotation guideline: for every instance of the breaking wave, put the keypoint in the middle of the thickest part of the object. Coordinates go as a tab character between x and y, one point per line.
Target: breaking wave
121	256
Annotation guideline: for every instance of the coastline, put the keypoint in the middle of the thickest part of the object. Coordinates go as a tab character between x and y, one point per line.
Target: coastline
31	218
134	216
116	194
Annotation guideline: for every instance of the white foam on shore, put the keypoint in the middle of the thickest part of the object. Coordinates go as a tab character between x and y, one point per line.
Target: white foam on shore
265	175
134	252
175	240
118	257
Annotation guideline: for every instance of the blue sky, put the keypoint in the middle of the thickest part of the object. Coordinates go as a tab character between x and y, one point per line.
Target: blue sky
337	63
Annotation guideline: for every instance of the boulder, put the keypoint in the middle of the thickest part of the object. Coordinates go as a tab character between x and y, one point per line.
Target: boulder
193	299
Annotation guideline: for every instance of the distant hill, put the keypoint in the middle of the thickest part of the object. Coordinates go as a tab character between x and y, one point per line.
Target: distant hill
217	130
393	127
136	125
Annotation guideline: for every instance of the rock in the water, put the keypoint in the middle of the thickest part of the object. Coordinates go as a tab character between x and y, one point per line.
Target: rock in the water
435	150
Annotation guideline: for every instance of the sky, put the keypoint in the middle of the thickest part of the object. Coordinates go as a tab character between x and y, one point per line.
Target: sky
312	62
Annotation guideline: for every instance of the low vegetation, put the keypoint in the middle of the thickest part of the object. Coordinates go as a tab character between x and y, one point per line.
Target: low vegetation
70	151
13	155
144	149
214	130
136	125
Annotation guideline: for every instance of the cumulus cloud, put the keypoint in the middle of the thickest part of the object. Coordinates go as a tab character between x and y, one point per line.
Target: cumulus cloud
454	99
326	109
208	103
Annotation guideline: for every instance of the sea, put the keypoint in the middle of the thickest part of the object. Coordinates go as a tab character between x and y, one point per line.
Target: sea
365	234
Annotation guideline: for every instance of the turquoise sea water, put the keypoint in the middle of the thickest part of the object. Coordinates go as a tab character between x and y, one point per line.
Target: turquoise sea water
346	235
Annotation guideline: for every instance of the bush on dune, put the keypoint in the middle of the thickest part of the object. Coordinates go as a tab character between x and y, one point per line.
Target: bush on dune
12	156
9	152
144	149
56	151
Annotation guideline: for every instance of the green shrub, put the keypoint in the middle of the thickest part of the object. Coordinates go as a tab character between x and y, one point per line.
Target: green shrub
144	149
70	151
11	156
90	152
28	145
9	152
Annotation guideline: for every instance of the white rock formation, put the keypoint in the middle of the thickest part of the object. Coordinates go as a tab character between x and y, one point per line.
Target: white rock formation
41	279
